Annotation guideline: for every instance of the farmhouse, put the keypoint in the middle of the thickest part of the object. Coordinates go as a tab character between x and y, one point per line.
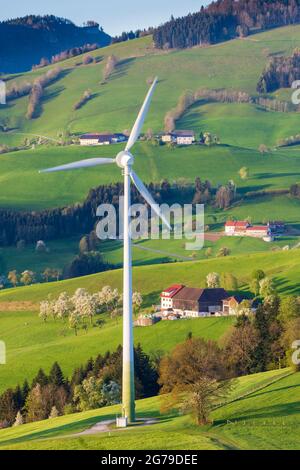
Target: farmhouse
101	139
180	137
232	304
179	301
166	297
191	302
238	228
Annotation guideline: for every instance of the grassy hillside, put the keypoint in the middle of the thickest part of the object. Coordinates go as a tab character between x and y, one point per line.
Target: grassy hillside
235	65
32	344
116	104
241	125
265	417
150	280
277	170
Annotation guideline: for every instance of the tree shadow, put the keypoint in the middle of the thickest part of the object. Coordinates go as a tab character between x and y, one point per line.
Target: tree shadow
122	68
275	175
272	411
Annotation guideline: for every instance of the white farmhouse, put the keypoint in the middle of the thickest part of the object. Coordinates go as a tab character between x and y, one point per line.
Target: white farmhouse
166	297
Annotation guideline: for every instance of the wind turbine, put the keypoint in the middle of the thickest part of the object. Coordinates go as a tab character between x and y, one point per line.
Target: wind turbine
125	161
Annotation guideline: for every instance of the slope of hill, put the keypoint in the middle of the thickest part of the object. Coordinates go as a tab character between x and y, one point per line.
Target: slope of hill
114	106
277	170
283	266
32	344
25	41
265	417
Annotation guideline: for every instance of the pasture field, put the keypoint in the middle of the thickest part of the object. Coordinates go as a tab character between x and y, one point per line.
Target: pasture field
264	415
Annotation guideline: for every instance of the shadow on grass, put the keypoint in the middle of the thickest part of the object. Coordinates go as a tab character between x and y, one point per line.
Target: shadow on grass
71	429
271	412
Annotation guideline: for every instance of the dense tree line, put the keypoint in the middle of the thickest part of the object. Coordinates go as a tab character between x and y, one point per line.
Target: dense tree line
81	218
225	19
41	39
95	384
67	54
129	35
280	72
189	98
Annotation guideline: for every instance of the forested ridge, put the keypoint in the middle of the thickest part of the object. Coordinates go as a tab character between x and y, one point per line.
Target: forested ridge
25	41
226	19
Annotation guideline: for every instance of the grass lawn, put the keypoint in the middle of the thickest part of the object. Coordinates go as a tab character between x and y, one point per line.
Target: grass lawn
235	64
277	170
32	344
283	266
242	128
263	419
241	125
61	252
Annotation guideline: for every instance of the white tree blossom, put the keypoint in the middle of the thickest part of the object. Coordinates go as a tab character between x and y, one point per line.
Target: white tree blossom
213	280
19	419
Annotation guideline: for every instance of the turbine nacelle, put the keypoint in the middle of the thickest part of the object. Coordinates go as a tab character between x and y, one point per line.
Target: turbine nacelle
124	158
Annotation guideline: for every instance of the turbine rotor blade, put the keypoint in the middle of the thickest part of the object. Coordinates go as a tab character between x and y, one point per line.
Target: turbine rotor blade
148	198
141	118
80	164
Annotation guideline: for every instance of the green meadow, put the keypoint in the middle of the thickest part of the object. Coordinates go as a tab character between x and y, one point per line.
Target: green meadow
264	415
31	343
23	188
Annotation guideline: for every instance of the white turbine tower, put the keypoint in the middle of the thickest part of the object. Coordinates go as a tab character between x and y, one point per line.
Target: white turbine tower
125	160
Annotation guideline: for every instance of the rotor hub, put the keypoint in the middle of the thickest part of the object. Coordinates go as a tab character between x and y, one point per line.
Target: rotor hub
124	159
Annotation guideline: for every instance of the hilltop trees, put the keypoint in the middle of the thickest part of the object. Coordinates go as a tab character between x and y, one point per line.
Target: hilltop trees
224	20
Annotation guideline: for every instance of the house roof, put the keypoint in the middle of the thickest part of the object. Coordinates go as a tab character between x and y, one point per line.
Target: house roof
172	290
119	135
276	222
90	136
102	136
183	133
237	223
258	228
204	295
238	298
105	137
